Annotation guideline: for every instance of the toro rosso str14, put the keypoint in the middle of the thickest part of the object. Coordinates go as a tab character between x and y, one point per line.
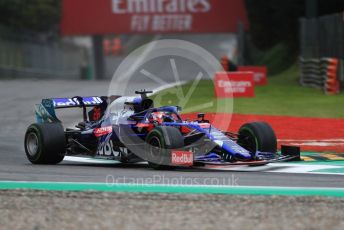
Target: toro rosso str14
131	129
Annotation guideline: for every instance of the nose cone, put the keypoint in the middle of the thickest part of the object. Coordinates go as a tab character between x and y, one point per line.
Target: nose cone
237	151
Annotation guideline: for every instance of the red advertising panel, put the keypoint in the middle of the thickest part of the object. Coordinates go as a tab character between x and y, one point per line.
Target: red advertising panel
234	84
259	73
182	158
85	17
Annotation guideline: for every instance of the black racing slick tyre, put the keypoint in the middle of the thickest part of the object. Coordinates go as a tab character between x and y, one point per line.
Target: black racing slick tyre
45	143
258	136
159	143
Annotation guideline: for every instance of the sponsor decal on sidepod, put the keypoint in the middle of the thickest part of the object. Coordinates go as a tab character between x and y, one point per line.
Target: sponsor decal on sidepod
98	132
182	158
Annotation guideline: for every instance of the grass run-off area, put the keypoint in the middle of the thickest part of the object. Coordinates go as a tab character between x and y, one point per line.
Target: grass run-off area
282	96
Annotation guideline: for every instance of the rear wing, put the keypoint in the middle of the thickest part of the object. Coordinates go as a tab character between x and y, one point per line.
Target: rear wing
45	111
60	103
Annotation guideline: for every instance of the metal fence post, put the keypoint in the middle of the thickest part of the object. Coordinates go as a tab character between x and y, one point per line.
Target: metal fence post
99	62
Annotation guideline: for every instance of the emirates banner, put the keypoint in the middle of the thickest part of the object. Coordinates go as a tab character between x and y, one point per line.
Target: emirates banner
234	84
85	17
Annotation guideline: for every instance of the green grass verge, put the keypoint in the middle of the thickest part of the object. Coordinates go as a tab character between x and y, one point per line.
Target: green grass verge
282	96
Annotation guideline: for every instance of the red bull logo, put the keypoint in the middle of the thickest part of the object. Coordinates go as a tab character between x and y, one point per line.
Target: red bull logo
182	158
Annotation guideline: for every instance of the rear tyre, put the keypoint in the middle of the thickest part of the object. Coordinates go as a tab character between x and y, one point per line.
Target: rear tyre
45	143
258	136
159	143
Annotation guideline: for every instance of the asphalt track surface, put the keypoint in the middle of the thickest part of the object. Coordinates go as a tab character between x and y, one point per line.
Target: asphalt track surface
17	98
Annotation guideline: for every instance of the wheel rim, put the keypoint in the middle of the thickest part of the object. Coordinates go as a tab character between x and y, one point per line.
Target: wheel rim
32	144
155	148
248	141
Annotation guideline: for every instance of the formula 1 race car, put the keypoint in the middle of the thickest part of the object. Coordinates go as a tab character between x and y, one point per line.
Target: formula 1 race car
130	130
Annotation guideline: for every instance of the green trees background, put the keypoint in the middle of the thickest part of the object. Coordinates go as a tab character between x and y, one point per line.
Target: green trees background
276	21
34	15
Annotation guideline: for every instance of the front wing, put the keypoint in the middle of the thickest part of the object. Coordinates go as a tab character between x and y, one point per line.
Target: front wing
249	163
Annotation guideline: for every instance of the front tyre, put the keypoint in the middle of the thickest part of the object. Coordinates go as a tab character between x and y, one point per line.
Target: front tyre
257	136
45	143
159	143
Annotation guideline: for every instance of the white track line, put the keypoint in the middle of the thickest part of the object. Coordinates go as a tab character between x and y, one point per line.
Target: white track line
320	142
284	168
90	160
304	140
272	167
